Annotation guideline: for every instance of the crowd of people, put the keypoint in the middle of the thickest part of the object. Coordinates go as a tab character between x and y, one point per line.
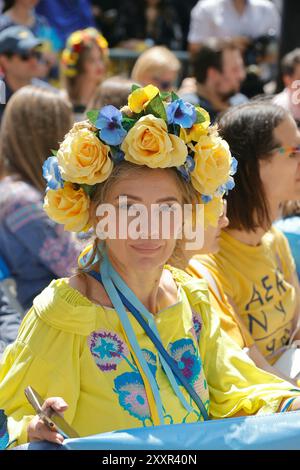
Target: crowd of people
74	136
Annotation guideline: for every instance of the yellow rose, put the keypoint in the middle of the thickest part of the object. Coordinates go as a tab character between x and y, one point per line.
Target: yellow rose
197	130
149	143
212	164
212	211
139	98
68	206
83	158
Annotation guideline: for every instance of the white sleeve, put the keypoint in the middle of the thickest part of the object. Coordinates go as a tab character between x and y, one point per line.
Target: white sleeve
201	24
273	20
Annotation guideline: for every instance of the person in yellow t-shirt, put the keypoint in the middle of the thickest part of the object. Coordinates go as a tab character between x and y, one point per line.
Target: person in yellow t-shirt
78	345
215	215
254	264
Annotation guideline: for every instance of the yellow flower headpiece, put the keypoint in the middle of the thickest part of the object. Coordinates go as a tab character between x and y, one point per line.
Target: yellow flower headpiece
155	130
75	44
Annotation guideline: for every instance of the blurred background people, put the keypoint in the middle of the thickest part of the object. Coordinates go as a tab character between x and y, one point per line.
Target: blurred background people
84	66
240	20
19	61
114	91
22	13
66	16
289	98
148	22
35	249
158	66
10	320
219	72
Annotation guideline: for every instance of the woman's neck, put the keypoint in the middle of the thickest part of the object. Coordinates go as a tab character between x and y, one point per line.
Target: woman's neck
210	95
21	14
85	91
254	237
150	286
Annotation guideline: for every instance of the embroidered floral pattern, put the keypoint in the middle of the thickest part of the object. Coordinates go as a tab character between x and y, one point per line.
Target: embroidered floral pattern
132	395
187	358
197	322
150	358
108	349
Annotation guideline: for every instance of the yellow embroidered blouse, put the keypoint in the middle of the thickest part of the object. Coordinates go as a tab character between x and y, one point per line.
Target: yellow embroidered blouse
69	347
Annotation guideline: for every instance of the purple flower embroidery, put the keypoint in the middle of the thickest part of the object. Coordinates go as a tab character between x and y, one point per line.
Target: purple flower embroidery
132	395
187	358
108	349
197	322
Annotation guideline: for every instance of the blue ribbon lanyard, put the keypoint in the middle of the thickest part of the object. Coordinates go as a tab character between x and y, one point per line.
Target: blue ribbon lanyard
119	307
121	295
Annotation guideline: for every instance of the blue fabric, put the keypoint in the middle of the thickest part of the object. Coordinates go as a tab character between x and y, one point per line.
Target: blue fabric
67	16
291	229
263	432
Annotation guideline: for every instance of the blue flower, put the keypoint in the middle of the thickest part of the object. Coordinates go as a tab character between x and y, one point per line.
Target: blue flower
109	122
52	174
205	199
187	168
234	165
224	188
117	154
181	113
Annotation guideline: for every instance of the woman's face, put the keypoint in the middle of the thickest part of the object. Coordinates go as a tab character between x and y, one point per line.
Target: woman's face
165	80
212	234
280	174
94	65
27	3
147	188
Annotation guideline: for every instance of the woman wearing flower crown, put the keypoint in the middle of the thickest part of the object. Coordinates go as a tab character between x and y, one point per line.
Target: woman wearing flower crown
83	66
84	339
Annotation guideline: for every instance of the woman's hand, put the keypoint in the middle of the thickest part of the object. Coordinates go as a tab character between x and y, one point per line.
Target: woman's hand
37	429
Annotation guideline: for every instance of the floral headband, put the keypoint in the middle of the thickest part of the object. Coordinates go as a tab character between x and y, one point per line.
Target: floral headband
157	130
75	44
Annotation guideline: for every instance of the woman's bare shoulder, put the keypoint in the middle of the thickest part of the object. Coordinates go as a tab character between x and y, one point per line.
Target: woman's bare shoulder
90	288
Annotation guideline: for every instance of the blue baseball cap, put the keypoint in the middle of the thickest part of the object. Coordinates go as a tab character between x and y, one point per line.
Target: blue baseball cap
17	40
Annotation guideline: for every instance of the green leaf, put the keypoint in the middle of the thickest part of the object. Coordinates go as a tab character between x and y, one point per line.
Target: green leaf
156	107
128	123
174	96
200	118
165	95
88	189
174	129
93	115
135	87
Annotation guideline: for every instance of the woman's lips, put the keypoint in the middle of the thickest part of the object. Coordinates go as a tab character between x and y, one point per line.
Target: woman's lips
146	248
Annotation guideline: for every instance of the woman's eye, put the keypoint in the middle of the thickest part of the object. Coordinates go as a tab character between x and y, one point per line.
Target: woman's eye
166	208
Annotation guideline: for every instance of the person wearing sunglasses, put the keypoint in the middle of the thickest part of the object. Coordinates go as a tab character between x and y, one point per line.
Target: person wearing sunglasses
158	66
19	61
254	264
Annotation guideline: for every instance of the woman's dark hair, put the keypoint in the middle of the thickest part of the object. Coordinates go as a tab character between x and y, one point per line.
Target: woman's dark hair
7	4
248	129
